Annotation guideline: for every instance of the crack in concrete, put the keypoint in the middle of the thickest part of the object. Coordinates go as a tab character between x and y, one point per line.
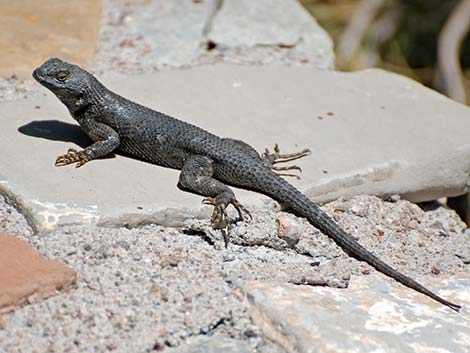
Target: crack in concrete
210	20
16	202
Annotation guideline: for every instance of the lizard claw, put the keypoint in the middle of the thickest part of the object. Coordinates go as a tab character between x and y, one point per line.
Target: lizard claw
276	157
72	156
219	215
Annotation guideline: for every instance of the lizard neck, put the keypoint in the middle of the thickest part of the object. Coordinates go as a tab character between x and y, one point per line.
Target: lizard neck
89	101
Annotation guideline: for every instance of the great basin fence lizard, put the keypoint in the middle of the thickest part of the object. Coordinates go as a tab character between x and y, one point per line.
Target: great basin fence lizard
208	163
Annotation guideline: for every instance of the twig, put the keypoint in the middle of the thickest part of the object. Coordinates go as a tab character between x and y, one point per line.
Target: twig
449	74
356	29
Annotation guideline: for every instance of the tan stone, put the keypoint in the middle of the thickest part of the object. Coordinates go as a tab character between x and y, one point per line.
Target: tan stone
32	31
374	314
27	276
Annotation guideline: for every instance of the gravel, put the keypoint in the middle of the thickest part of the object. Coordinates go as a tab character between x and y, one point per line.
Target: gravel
160	287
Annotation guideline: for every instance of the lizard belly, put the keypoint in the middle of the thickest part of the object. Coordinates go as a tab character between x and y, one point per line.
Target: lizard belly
153	153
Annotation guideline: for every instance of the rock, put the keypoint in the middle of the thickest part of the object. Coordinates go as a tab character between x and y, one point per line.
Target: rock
32	32
385	137
213	344
26	276
272	23
156	33
373	314
289	229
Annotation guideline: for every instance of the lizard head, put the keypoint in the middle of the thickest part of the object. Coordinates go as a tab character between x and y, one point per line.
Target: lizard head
68	82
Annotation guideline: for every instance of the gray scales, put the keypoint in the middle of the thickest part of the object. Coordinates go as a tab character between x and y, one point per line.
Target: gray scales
208	163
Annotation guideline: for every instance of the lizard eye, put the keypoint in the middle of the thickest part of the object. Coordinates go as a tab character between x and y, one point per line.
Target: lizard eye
62	75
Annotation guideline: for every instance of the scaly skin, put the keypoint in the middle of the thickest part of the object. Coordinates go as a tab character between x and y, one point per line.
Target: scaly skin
207	162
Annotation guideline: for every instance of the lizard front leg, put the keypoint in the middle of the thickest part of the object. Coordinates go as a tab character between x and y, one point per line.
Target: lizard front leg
107	140
196	176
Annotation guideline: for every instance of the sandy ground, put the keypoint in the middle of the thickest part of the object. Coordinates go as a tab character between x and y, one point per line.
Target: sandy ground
157	287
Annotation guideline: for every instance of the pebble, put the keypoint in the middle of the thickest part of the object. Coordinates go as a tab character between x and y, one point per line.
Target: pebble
289	229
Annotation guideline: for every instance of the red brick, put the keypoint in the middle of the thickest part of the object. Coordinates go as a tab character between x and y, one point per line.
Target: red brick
27	276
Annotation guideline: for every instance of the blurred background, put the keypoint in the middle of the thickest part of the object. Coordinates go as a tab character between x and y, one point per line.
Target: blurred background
426	40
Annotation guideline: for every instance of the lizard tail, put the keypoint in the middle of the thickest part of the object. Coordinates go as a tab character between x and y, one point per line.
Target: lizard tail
286	194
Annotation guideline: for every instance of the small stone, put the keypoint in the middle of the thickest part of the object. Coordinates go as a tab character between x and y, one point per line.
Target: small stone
393	198
123	244
71	252
158	347
464	257
104	252
30	322
289	229
172	260
165	294
86	247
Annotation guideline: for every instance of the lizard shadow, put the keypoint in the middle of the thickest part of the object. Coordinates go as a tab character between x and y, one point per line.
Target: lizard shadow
56	130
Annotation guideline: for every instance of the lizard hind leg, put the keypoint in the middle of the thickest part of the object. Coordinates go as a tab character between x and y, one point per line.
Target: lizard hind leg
219	215
271	159
197	177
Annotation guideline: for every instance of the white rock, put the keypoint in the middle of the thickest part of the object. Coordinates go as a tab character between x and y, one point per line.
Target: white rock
372	315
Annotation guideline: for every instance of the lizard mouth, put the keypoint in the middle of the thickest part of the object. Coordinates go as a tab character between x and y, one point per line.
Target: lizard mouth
37	75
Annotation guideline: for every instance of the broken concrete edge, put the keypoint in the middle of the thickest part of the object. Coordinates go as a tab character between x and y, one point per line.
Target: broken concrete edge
43	217
280	333
167	217
271	330
16	202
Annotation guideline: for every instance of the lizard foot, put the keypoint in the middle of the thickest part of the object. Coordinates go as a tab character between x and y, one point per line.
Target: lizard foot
276	157
219	215
72	156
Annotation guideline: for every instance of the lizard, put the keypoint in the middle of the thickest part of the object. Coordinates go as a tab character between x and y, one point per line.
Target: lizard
210	165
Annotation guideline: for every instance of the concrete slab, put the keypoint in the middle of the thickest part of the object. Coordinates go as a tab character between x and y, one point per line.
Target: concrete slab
147	36
32	31
370	132
369	316
276	23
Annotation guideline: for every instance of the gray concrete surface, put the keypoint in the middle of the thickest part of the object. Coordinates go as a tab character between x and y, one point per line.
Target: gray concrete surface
157	35
285	24
370	132
354	320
